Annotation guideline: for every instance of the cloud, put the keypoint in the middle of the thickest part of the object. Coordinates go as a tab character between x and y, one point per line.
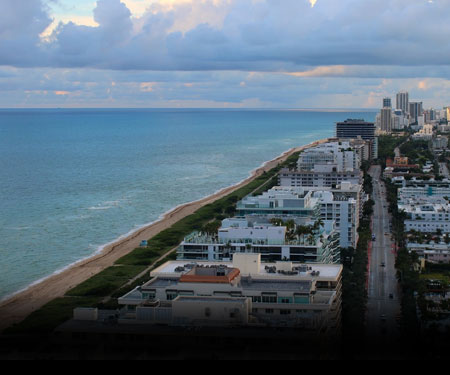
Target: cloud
21	23
222	89
224	53
268	35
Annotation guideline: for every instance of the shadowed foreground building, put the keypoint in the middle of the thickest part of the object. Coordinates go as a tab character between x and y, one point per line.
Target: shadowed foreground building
242	293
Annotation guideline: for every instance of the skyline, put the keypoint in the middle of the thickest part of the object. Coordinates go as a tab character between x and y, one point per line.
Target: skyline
222	53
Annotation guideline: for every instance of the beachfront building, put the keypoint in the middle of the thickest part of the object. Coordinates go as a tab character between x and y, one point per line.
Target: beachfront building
327	165
359	129
280	201
342	204
340	155
423	216
243	292
321	176
320	244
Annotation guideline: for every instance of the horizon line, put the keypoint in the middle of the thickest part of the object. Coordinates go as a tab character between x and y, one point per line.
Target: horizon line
194	108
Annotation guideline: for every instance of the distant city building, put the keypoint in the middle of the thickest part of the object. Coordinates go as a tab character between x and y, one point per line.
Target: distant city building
430	116
399	120
440	143
354	129
387	103
446	114
444	128
415	111
403	102
424	134
386	119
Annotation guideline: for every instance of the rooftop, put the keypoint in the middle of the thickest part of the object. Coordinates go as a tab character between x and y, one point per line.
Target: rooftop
177	268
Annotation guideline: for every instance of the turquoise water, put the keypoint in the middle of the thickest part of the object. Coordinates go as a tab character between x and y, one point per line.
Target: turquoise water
74	180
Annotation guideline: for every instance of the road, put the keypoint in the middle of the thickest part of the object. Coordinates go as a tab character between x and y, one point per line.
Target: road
443	170
382	310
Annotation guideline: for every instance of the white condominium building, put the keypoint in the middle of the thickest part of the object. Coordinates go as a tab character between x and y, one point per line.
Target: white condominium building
342	204
426	217
322	176
243	292
345	212
240	236
340	155
426	193
280	201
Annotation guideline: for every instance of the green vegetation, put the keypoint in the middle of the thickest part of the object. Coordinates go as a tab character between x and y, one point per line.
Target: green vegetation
387	145
51	315
106	282
418	152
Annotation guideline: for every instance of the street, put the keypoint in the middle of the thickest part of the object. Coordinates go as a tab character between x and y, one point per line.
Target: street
383	303
443	170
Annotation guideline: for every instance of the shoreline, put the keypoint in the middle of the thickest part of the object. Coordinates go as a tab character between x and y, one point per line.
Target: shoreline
16	307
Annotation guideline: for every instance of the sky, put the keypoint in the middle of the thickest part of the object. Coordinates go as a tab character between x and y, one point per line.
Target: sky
223	53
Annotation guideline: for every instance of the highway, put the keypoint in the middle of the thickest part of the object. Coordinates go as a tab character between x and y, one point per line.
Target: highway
383	304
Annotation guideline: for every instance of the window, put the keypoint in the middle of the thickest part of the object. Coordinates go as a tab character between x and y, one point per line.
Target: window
269	298
149	295
171	295
285	312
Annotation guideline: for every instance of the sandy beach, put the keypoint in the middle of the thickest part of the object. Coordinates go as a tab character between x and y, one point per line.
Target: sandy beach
19	306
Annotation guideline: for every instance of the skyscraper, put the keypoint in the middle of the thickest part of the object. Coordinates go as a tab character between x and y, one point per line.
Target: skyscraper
386	119
387	102
403	102
415	111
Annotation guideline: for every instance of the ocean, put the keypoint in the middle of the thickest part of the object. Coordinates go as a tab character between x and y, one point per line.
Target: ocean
72	181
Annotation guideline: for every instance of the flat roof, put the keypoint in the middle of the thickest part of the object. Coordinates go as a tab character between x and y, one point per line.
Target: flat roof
326	271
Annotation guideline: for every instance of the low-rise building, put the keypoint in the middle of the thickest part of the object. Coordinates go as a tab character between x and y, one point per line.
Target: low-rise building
322	176
321	245
432	252
426	217
280	201
440	143
239	293
425	192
